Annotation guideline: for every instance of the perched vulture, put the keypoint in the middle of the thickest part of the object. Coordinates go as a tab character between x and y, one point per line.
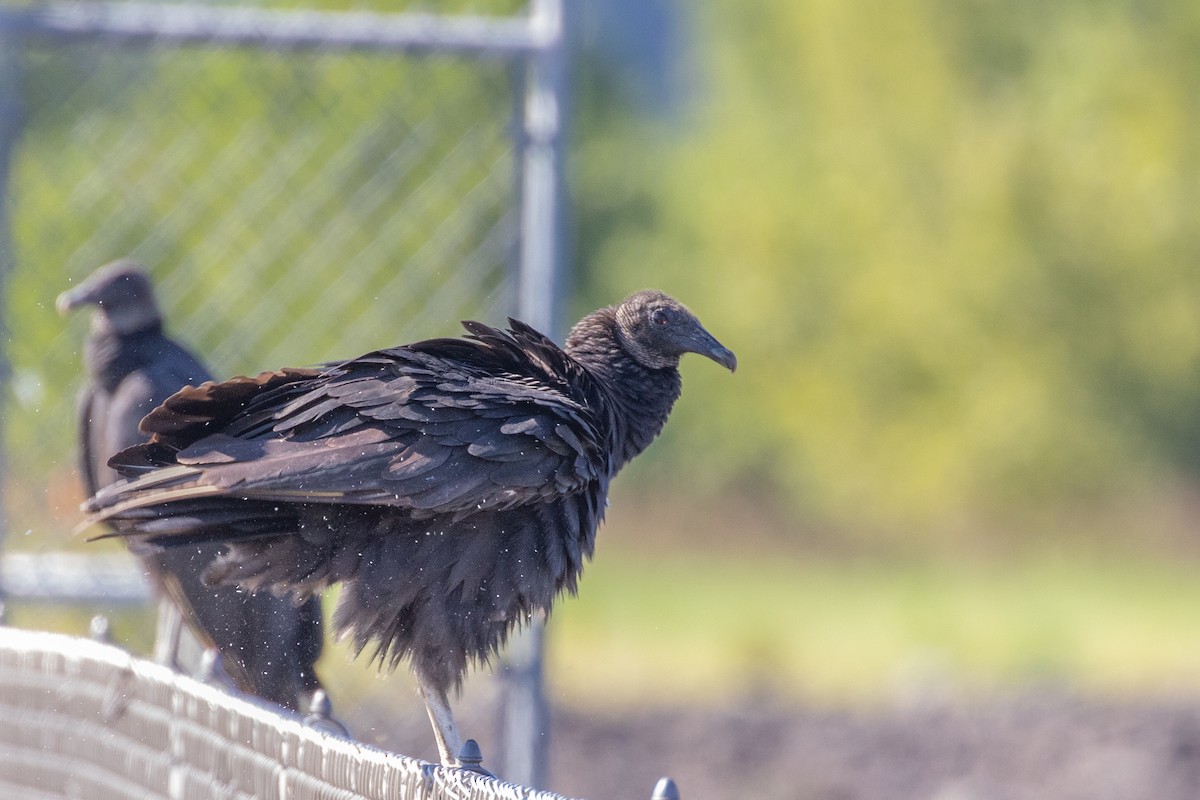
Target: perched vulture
268	644
453	486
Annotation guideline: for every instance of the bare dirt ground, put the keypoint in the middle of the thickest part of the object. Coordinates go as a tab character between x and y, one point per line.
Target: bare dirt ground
1043	744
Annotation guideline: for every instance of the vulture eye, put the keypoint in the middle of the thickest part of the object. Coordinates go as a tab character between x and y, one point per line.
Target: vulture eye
660	317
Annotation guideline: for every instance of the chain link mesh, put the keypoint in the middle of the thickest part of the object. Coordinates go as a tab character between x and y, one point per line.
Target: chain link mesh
293	207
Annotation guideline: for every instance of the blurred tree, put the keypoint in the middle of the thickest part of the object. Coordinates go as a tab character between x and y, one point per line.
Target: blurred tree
954	246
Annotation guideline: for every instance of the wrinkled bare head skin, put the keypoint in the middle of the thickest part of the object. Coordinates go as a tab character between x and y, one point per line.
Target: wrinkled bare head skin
657	330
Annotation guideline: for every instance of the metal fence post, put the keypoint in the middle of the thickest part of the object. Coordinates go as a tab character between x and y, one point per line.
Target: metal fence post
542	210
11	119
540	272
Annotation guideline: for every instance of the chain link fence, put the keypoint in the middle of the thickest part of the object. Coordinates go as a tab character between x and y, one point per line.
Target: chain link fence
304	185
80	719
297	200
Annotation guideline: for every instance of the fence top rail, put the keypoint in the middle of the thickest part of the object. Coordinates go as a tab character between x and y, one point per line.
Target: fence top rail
285	29
95	662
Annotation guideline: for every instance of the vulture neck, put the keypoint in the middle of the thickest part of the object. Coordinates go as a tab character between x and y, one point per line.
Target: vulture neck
110	355
640	397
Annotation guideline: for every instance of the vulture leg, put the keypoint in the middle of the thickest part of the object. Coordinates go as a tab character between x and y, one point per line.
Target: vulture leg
176	647
444	730
168	634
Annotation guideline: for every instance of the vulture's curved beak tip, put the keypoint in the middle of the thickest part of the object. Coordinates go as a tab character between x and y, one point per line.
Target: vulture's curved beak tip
725	357
67	302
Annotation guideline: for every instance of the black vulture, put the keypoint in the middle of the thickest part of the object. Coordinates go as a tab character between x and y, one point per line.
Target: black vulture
453	486
269	645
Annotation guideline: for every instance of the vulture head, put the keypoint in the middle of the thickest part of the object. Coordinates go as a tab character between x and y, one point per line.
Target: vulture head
122	295
657	330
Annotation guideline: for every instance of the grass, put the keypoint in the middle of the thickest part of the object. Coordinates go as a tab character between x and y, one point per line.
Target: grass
679	624
707	627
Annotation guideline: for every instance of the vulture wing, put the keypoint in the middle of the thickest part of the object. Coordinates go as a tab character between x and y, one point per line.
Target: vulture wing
443	427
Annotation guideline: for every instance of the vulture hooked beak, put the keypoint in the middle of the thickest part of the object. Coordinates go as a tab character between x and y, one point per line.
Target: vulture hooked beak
75	298
707	345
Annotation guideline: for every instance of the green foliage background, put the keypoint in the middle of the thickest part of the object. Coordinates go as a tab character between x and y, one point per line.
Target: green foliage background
954	245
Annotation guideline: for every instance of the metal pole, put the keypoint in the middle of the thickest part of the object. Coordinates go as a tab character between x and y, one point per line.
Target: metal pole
540	271
542	213
11	119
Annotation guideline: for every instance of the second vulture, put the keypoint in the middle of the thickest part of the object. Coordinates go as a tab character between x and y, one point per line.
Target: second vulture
269	645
